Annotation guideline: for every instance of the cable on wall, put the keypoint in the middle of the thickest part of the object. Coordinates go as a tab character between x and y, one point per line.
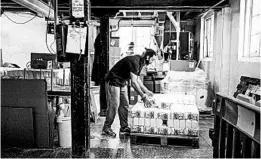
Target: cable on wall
19	22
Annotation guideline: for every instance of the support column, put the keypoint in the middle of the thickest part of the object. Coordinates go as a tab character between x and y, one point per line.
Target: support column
104	61
80	107
178	34
80	82
176	23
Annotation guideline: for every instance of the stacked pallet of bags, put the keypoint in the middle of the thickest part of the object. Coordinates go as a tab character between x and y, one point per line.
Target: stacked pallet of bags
188	83
170	115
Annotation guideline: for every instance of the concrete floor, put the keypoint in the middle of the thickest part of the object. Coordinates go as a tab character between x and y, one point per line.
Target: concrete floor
104	147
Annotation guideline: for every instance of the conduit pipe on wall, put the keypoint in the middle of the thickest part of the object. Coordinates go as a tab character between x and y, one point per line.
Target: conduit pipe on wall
37	6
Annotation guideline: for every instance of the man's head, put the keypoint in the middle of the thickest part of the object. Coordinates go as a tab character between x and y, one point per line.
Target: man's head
149	55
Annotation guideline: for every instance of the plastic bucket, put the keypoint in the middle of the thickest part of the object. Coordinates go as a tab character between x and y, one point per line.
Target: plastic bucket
148	82
64	131
157	85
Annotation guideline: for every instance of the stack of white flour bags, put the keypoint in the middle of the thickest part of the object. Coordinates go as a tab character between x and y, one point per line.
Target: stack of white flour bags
171	114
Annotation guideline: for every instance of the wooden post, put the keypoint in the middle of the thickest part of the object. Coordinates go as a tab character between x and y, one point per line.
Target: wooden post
80	93
77	107
216	136
222	137
229	141
246	147
236	144
104	61
80	106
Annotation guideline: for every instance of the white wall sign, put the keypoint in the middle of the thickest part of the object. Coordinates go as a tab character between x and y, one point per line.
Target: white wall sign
78	8
76	39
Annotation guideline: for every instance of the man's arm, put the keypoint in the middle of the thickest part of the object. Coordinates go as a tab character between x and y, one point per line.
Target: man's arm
135	84
143	88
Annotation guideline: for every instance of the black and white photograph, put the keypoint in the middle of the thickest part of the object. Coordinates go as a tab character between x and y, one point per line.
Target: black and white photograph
130	78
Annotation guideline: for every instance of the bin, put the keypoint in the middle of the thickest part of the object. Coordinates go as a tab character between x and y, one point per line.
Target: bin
148	82
153	83
157	84
64	131
133	96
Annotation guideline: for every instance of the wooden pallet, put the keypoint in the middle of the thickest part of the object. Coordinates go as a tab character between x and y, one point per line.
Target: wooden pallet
164	140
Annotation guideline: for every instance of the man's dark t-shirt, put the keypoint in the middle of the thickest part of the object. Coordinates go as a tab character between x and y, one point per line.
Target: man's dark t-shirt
120	72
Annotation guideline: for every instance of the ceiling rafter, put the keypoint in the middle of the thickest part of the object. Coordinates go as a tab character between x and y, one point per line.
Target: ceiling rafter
188	8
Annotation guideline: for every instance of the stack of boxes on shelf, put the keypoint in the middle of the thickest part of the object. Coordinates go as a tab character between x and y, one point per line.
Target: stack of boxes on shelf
171	115
63	77
57	76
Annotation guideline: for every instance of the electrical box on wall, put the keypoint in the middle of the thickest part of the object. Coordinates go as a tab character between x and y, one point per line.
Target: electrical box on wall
50	28
43	61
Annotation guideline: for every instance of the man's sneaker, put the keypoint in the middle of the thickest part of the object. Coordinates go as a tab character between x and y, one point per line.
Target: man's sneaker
125	131
109	132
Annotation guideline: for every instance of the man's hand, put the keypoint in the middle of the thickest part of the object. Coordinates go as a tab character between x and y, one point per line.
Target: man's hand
147	103
149	93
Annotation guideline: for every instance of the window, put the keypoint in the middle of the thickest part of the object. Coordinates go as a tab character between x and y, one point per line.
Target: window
207	35
250	30
141	36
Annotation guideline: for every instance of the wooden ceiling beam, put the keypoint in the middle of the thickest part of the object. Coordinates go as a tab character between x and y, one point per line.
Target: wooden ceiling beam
157	7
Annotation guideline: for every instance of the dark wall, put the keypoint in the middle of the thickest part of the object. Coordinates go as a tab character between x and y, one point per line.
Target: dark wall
16	93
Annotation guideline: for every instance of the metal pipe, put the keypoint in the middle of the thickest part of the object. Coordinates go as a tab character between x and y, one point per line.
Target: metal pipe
178	34
177	26
38	7
211	7
55	7
216	4
55	20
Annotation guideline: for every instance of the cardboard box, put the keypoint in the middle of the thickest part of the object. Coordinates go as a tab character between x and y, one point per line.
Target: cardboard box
182	65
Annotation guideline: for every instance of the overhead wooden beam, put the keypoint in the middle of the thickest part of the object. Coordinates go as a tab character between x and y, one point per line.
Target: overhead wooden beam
158	7
185	15
38	7
172	19
65	9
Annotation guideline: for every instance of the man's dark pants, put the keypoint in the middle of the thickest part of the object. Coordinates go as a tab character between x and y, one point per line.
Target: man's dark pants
117	98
